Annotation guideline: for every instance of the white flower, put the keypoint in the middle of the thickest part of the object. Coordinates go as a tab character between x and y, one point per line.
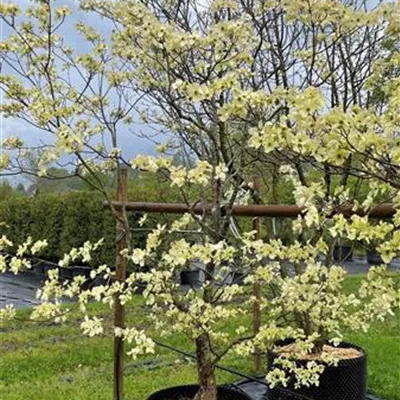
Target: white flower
7	313
19	264
221	171
142	343
138	257
177	84
4	242
92	326
38	246
114	152
142	220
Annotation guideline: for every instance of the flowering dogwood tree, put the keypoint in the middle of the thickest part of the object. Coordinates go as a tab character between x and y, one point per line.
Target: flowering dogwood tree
244	86
287	82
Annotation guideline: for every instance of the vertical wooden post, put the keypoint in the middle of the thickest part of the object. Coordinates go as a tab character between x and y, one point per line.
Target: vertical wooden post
122	237
257	289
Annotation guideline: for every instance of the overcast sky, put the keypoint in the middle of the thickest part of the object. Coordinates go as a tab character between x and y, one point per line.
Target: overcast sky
131	144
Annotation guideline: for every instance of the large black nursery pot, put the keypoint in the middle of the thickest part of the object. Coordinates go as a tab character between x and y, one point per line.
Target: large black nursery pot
190	277
346	381
342	253
188	392
374	258
140	288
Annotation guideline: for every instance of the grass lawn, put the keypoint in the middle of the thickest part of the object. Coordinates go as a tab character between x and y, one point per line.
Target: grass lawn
49	362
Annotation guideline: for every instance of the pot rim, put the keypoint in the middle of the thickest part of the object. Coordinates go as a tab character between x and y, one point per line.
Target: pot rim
341	363
190	270
223	388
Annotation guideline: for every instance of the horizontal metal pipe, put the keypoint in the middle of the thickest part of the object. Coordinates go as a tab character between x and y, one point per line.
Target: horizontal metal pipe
385	210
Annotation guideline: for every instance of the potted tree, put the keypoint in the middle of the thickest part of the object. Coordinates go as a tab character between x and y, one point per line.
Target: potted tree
314	360
219	109
199	312
208	83
180	107
202	313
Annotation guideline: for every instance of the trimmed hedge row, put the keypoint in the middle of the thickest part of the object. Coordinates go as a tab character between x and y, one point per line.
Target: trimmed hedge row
66	221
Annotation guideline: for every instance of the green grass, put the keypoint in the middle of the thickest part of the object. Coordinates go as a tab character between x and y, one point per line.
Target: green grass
49	362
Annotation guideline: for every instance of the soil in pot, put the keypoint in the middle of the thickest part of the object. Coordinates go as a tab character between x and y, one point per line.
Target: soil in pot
374	258
189	392
190	277
346	381
342	253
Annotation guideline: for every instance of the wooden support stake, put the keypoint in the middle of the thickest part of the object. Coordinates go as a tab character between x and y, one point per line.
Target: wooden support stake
122	237
257	290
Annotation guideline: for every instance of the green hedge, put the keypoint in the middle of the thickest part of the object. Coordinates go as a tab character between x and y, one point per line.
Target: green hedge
67	221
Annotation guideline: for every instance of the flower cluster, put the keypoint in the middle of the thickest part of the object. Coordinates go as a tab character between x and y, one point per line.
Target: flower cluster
14	258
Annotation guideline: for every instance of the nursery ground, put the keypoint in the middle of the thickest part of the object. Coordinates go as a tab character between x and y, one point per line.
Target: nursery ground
50	362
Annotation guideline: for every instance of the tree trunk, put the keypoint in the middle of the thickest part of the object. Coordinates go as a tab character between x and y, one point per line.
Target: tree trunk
122	240
257	292
206	370
318	346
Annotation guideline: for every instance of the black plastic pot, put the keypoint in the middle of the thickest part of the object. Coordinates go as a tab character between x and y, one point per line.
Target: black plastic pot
346	381
342	253
65	273
190	277
189	391
374	258
47	268
140	288
39	268
80	270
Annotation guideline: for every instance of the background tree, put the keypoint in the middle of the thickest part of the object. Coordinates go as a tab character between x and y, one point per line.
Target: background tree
7	191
